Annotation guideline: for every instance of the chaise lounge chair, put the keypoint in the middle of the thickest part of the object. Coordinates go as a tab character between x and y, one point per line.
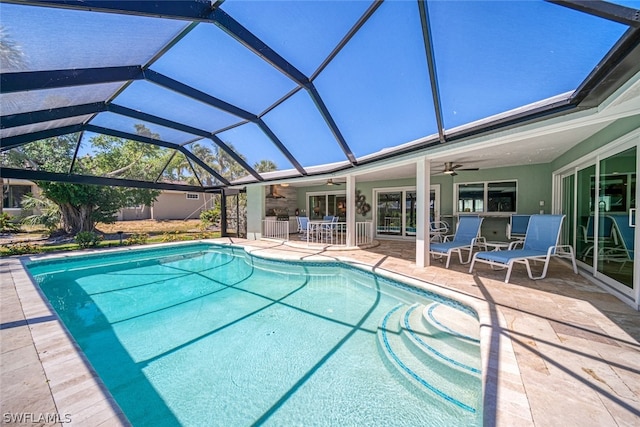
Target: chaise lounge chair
517	228
606	235
465	238
540	244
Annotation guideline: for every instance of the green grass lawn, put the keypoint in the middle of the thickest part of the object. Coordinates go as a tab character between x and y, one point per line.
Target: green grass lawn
29	248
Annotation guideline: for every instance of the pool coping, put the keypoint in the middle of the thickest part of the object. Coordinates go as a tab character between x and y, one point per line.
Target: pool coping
79	394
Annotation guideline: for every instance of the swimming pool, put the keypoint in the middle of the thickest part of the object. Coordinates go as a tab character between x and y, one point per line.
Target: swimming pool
203	334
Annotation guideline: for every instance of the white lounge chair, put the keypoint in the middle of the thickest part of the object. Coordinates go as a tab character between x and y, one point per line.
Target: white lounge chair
540	244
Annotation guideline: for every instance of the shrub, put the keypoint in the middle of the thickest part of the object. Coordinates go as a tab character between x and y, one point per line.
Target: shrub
48	212
210	217
206	235
137	239
87	239
7	224
22	249
171	236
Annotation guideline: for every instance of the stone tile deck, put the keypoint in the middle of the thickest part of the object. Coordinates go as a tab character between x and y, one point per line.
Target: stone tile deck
559	351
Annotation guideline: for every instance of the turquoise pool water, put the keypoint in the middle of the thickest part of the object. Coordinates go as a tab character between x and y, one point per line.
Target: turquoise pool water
205	335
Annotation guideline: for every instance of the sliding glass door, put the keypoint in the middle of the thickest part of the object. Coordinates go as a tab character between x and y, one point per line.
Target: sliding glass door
617	208
397	211
599	199
389	208
327	204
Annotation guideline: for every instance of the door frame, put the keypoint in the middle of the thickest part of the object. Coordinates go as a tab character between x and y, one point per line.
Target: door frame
623	143
434	187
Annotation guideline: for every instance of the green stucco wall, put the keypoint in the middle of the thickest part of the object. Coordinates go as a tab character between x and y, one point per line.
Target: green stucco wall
534	185
612	132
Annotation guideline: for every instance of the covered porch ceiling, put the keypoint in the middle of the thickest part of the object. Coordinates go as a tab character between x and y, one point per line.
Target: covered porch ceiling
312	89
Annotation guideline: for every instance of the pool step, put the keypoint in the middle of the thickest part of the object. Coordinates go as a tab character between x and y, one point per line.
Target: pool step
429	331
452	321
423	363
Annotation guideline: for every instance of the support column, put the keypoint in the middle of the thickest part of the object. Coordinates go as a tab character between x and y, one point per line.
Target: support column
255	215
223	214
351	210
423	186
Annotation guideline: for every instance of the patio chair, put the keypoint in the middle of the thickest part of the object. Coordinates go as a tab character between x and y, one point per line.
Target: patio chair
540	244
437	230
606	235
303	221
517	227
330	228
623	232
465	238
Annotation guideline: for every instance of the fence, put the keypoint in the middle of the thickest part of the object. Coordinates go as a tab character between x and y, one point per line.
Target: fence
275	229
324	233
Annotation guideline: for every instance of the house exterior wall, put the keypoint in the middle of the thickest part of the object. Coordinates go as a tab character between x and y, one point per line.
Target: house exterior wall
612	132
534	186
134	213
169	205
11	206
176	205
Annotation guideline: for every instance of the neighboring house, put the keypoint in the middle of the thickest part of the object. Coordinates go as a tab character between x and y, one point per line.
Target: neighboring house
169	205
13	190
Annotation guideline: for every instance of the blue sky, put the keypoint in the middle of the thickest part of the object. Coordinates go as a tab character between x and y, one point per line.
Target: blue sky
490	57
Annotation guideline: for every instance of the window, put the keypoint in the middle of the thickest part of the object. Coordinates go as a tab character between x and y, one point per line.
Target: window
470	197
193	196
321	204
484	197
501	196
13	194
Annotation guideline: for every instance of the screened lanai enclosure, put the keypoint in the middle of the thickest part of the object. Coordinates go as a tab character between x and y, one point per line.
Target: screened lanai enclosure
393	100
211	94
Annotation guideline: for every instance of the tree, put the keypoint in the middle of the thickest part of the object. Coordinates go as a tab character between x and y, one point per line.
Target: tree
45	212
83	205
220	161
265	166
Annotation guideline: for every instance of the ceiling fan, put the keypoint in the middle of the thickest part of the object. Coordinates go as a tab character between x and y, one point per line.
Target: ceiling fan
330	182
450	168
